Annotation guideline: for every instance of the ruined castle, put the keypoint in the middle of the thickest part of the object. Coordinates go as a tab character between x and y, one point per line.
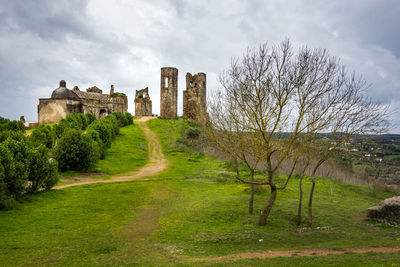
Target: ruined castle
64	101
194	97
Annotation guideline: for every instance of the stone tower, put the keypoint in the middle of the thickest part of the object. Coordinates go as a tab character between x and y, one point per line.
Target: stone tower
194	98
169	93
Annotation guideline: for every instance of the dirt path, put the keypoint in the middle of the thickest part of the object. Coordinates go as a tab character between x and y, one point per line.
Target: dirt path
156	164
299	252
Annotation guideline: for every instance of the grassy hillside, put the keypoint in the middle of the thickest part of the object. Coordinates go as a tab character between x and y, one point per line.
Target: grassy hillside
127	153
193	209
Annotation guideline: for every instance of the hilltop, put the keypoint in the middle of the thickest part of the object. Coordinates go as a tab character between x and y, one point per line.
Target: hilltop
192	213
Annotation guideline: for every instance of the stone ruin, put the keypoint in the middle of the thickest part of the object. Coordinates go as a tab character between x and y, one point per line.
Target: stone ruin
169	93
194	98
388	211
65	101
143	103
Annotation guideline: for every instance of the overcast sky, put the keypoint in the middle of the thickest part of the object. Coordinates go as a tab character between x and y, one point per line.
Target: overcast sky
126	42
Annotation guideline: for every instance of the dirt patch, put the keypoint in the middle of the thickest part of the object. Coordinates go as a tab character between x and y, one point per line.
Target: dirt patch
290	253
156	164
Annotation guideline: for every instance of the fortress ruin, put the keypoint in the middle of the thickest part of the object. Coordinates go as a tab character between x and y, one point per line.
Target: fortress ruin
65	101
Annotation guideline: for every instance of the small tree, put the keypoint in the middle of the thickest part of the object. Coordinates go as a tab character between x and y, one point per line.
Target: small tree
76	151
280	98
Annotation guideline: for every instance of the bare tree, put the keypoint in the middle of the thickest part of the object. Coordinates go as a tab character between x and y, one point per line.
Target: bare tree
279	98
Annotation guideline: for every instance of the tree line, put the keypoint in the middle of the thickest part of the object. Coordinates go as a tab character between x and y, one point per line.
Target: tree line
31	163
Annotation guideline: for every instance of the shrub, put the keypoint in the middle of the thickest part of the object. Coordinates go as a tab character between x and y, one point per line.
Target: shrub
76	151
13	171
121	118
42	170
44	135
90	117
7	125
129	118
95	136
105	132
112	123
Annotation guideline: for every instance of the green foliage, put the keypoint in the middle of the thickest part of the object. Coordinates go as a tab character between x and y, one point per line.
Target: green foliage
42	169
192	133
76	151
44	135
95	136
7	125
90	117
104	130
121	118
112	123
129	118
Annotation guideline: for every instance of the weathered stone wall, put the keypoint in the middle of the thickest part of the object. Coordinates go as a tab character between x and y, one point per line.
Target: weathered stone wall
143	105
54	110
169	93
195	97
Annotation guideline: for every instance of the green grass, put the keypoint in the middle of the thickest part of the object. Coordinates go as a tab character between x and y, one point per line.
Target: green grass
389	157
128	152
183	161
188	211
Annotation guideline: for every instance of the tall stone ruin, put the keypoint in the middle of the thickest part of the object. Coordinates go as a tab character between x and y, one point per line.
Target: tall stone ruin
143	103
195	98
169	93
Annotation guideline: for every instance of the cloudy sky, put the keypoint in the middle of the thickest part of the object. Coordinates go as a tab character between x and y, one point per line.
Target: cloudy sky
126	42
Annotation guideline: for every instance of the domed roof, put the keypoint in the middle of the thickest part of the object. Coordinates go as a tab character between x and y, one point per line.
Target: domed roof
62	92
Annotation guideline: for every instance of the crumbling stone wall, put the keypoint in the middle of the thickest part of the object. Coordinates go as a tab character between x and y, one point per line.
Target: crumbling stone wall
169	93
143	103
54	110
195	98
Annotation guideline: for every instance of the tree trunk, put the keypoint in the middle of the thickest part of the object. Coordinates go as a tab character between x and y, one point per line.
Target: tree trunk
300	199
310	203
251	193
266	211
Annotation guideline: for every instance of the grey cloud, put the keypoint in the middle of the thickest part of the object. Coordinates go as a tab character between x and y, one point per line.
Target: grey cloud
126	42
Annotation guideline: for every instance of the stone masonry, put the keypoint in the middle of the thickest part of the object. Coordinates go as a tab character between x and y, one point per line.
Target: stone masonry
143	103
65	101
169	93
194	98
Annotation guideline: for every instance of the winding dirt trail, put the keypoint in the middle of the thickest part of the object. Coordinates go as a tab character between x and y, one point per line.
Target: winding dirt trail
156	164
300	252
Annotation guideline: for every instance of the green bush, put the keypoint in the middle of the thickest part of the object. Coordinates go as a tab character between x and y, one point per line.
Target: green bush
112	123
129	118
95	136
105	132
121	118
7	125
13	170
44	135
90	117
42	170
76	151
